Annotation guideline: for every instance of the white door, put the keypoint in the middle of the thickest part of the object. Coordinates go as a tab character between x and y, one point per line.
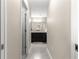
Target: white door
2	17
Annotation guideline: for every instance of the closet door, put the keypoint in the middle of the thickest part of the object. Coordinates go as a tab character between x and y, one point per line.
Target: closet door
0	29
2	32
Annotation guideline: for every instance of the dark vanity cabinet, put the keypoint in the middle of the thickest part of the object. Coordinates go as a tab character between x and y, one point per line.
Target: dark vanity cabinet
39	37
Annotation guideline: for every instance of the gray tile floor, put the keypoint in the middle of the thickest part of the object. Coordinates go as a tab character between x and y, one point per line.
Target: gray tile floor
39	51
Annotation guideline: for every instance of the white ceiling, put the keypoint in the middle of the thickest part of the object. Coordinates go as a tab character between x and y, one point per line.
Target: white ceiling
38	8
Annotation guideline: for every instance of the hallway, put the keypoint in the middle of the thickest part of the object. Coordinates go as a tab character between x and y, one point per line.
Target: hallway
39	29
39	51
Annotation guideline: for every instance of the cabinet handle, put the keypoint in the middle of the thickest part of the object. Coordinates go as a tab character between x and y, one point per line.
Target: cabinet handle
2	46
76	47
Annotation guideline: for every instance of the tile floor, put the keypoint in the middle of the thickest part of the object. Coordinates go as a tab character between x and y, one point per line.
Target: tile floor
39	51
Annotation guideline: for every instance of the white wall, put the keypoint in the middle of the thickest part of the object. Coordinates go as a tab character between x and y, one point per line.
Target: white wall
13	29
59	38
